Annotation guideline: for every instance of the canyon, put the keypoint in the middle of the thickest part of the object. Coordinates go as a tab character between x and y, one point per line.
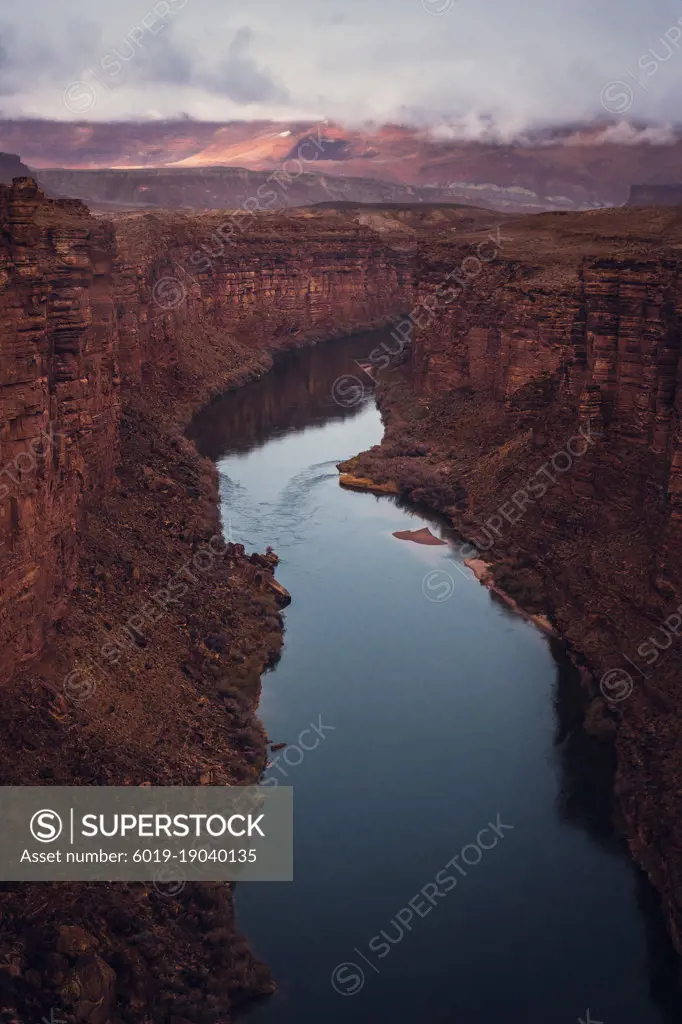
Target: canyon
116	330
570	334
104	503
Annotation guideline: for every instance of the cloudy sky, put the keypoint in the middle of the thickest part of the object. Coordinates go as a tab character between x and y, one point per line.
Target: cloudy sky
466	63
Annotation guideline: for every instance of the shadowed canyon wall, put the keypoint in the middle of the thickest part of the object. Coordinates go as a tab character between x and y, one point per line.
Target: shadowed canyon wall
271	282
59	402
76	304
224	188
563	333
542	414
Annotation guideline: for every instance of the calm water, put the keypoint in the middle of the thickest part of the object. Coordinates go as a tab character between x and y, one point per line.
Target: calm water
438	711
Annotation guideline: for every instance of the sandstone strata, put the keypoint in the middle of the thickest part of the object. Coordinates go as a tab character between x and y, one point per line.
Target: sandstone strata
542	414
113	336
80	308
108	346
59	403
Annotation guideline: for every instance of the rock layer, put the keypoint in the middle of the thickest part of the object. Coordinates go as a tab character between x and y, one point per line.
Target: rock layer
59	402
541	412
74	311
216	188
111	337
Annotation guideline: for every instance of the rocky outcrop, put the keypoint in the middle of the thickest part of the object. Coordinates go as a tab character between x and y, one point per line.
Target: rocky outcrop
11	167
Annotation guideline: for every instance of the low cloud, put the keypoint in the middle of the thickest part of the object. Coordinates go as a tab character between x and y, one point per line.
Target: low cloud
626	134
485	128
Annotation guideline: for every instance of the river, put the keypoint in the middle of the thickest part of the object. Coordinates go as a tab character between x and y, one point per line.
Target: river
426	724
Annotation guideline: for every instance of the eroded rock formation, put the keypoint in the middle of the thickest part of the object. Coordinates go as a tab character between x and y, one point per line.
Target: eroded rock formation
74	312
59	402
542	414
111	337
11	167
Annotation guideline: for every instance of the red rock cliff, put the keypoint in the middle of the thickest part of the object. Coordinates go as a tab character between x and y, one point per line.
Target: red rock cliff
566	328
72	310
573	325
59	402
104	502
269	282
542	413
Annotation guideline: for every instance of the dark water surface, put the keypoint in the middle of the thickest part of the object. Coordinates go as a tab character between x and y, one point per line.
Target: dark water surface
437	711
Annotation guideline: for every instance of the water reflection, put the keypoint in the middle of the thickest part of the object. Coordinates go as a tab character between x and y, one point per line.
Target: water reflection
443	713
295	395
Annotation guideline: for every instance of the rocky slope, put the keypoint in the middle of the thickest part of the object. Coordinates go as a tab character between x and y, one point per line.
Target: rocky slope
111	338
542	414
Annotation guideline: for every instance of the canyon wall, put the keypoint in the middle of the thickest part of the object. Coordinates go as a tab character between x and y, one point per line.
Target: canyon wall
110	337
59	403
551	343
542	414
265	283
212	188
78	306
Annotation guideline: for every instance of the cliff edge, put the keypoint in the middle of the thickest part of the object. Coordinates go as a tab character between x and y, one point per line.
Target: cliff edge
112	336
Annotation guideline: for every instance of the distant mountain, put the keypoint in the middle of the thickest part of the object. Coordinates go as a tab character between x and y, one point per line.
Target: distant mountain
576	166
210	188
655	195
